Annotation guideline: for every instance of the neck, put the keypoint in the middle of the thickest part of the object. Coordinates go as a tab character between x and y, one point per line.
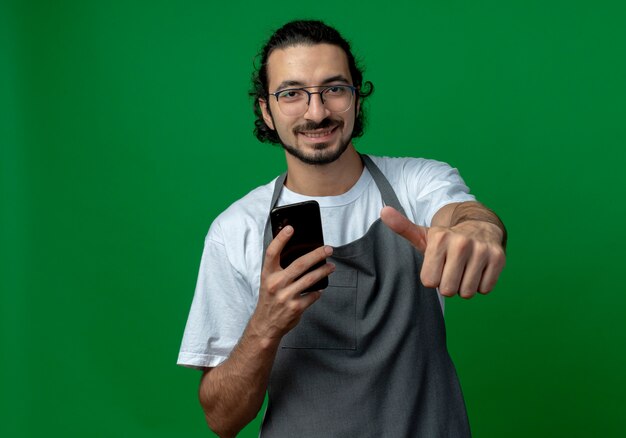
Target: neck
330	179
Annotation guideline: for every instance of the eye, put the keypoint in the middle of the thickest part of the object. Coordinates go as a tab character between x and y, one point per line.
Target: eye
338	90
290	95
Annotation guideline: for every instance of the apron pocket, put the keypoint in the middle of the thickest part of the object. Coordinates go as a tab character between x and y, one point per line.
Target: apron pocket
330	323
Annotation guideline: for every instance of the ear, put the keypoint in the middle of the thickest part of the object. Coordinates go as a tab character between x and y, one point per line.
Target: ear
267	116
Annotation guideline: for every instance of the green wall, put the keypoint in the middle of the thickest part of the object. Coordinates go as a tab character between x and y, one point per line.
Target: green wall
125	128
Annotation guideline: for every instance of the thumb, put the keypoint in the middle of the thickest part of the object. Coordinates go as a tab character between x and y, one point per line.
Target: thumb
399	223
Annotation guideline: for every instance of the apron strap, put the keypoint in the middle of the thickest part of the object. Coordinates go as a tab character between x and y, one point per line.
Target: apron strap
386	191
267	235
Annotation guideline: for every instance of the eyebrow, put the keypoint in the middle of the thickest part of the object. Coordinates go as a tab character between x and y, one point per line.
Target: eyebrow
291	83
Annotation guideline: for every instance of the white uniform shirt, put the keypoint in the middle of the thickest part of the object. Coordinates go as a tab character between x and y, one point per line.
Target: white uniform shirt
229	279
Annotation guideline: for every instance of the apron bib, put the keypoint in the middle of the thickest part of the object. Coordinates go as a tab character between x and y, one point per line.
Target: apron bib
369	358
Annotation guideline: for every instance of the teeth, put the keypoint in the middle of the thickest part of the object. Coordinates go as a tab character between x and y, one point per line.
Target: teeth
317	134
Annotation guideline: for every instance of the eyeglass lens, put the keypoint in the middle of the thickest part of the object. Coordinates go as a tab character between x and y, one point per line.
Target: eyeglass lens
295	101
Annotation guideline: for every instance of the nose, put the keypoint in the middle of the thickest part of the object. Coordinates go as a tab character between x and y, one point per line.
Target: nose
316	110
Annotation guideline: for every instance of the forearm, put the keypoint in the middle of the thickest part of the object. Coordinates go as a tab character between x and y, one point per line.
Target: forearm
232	393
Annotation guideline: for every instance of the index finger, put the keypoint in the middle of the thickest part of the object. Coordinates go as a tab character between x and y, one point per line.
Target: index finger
272	254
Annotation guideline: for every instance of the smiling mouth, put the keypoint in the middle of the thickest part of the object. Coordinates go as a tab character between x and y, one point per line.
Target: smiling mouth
318	134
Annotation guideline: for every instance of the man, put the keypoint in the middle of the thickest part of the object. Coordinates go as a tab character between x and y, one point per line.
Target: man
366	356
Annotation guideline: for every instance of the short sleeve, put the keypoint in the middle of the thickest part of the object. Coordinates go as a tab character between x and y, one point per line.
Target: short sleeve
221	307
433	185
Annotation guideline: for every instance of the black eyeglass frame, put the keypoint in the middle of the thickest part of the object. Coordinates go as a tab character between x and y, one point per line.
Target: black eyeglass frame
352	88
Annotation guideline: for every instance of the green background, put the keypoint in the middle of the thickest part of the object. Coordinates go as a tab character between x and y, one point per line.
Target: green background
125	128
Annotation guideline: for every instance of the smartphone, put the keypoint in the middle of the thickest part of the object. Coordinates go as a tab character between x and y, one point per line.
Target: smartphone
306	221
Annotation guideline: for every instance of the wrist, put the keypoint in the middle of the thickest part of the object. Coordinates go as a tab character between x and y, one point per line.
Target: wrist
481	217
260	336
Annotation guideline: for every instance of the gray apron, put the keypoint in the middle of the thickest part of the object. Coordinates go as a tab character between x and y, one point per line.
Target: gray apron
369	358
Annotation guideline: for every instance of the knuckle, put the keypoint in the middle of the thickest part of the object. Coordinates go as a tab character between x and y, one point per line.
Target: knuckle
498	257
481	250
298	307
463	244
271	252
298	266
273	285
283	301
293	307
437	236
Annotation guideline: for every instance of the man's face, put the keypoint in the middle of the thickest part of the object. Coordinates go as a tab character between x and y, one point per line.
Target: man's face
318	136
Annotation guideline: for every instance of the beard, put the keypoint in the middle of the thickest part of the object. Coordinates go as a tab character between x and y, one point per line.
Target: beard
323	153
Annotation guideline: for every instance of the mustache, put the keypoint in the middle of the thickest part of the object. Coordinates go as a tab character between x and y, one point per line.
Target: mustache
311	126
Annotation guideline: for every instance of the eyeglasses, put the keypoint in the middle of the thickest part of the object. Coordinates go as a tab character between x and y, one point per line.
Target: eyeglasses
295	101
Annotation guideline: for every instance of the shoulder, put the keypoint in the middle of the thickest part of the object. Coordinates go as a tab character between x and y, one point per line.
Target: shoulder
412	171
423	186
248	213
239	229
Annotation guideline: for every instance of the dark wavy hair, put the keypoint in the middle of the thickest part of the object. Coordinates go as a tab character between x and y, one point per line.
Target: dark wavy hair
305	32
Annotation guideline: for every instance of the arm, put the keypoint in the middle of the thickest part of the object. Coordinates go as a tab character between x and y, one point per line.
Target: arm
232	393
463	249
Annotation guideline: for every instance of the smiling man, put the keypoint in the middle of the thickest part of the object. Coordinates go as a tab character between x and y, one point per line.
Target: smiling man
325	134
366	356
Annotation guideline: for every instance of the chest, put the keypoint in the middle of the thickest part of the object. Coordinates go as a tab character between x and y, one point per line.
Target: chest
343	223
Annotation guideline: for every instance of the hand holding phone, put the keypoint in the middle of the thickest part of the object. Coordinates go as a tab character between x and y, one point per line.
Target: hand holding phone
306	221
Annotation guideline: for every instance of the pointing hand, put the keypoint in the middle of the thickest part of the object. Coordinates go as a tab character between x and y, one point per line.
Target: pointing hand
463	259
